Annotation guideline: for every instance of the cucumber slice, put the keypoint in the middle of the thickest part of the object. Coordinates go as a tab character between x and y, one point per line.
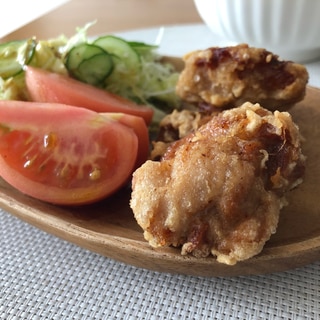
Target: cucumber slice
14	56
89	63
95	69
120	48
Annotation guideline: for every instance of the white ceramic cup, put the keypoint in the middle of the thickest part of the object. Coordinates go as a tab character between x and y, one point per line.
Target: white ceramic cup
289	28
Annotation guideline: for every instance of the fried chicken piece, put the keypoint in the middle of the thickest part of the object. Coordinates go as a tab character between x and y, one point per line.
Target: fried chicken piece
228	77
175	126
220	189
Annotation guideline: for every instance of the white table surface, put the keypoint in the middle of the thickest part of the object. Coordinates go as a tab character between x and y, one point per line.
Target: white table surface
43	277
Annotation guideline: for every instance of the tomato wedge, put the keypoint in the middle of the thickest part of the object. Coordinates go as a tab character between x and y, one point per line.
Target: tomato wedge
62	154
44	86
141	130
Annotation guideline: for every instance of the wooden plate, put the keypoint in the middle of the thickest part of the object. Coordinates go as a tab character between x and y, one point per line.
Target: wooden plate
108	227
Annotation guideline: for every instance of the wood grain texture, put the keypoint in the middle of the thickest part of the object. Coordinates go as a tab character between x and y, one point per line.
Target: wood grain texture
109	228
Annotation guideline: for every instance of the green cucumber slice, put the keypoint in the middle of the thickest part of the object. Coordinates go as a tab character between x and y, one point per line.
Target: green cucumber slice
122	49
95	69
89	63
14	55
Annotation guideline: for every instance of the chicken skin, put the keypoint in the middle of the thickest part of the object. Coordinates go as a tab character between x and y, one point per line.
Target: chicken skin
219	190
228	77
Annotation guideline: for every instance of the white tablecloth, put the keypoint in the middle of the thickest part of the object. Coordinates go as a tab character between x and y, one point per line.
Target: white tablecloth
43	277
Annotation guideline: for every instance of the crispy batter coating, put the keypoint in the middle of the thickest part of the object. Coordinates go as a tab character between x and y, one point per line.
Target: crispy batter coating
220	189
175	126
228	77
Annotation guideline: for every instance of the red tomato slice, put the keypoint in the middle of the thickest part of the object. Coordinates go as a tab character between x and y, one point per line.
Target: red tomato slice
45	86
141	130
62	154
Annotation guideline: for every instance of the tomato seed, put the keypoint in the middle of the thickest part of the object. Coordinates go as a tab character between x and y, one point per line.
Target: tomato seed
95	174
50	140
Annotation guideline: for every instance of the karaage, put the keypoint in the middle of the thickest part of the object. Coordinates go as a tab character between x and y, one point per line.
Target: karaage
219	190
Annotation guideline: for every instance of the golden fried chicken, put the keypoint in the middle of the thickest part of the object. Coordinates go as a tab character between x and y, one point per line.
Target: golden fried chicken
219	190
228	77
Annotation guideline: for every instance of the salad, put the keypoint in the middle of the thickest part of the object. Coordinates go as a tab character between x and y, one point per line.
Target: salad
130	69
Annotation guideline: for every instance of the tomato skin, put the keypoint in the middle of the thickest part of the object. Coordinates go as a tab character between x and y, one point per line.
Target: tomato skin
44	86
64	155
141	130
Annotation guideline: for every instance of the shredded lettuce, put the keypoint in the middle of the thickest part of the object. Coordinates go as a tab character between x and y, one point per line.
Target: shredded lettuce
13	88
155	82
